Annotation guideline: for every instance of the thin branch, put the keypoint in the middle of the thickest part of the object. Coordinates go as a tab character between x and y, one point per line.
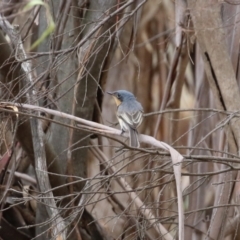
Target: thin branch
177	158
58	226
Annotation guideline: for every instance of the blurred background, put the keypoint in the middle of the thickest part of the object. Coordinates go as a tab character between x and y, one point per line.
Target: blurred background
179	58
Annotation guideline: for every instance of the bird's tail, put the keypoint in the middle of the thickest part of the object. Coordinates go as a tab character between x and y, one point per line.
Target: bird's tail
133	135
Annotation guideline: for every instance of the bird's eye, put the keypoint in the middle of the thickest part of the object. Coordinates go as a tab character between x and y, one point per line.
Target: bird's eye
118	96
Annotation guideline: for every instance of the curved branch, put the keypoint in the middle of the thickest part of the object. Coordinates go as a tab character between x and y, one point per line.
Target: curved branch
177	158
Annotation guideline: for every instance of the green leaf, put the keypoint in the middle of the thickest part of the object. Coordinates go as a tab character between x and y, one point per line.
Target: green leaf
51	24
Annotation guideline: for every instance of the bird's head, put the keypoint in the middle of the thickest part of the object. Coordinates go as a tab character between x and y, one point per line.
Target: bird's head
121	95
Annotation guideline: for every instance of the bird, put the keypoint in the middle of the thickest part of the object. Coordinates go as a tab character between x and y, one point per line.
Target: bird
129	114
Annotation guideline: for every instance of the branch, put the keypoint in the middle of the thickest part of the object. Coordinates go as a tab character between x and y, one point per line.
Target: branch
141	207
177	158
58	226
208	25
12	74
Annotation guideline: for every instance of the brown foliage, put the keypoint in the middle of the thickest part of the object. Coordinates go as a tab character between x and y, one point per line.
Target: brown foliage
181	61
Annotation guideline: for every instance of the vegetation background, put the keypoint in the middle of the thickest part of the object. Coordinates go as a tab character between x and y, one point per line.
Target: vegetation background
63	178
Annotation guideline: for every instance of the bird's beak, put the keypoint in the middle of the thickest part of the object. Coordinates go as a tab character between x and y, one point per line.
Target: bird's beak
117	101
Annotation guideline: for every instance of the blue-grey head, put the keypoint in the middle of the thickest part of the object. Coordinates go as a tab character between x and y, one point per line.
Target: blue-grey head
121	95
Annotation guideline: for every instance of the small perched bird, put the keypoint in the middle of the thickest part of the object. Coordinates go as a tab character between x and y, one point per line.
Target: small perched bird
129	114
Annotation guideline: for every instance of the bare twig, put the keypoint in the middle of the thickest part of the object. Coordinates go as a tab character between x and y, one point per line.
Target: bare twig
58	226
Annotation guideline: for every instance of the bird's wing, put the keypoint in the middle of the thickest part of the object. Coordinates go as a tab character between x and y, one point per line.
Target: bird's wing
132	119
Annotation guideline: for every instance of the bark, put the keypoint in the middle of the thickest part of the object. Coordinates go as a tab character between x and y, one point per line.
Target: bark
206	16
197	198
11	77
62	80
92	59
